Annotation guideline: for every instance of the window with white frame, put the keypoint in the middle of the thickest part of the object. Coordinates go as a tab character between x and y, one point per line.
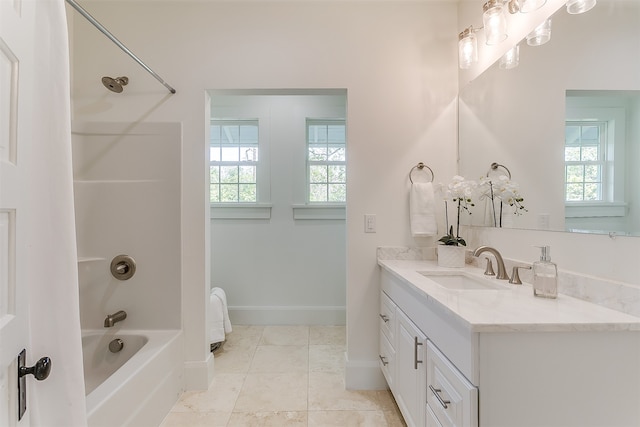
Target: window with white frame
233	164
326	161
585	156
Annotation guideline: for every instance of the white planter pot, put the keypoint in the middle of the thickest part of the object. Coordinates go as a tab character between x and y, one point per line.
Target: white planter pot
451	256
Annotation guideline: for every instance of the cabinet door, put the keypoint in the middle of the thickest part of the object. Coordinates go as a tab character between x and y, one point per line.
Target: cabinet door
451	397
411	371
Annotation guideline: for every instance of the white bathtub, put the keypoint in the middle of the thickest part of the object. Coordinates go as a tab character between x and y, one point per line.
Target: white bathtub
136	386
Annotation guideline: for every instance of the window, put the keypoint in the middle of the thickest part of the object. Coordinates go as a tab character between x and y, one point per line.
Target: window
326	161
233	161
594	157
585	161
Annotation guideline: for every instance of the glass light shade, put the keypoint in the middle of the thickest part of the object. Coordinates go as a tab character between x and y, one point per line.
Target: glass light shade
511	59
527	6
467	48
494	19
540	35
575	7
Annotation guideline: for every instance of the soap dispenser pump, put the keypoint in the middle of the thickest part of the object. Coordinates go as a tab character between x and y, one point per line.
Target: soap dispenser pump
545	275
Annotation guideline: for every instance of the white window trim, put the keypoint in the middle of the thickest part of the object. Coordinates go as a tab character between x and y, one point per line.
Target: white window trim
615	204
321	206
595	209
240	211
337	211
602	162
262	208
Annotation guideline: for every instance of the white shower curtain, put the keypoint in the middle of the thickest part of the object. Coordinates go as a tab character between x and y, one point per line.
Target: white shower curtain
53	276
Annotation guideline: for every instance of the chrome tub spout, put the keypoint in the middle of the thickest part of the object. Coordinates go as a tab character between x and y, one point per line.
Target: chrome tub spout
114	318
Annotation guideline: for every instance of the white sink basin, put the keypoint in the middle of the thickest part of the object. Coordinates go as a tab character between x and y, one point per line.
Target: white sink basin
460	281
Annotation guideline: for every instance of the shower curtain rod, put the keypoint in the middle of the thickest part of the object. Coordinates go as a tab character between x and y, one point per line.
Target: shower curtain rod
106	32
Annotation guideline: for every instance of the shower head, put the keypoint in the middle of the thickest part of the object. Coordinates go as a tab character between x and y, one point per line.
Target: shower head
115	85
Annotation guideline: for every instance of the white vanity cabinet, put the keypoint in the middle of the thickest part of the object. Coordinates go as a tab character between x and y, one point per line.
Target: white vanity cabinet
413	368
403	361
505	358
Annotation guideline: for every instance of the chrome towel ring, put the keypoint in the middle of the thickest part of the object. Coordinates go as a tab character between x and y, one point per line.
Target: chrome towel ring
495	166
421	166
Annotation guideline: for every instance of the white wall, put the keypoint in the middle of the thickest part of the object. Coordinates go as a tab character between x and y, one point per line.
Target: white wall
281	270
128	203
397	61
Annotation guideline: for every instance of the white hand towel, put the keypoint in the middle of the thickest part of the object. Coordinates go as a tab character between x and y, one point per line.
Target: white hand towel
422	210
220	324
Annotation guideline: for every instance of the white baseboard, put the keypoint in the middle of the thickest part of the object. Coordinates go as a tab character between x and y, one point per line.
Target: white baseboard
198	375
364	375
287	315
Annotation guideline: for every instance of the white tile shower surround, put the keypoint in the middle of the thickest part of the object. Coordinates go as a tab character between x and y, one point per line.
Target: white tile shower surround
612	294
283	376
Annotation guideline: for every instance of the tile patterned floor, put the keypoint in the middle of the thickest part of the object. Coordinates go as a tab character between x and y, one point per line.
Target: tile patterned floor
283	376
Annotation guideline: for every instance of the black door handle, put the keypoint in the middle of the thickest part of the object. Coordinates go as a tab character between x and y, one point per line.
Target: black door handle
40	370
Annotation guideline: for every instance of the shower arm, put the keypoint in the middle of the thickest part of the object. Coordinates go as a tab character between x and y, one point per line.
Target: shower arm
106	32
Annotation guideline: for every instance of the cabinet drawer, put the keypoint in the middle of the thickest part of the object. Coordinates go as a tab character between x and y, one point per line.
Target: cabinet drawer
387	316
453	399
387	360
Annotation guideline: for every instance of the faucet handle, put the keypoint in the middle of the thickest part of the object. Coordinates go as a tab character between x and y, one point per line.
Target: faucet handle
515	277
488	271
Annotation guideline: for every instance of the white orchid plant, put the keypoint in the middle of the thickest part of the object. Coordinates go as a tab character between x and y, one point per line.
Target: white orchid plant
504	190
459	192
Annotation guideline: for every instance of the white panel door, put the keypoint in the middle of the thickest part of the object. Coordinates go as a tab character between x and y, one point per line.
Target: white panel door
411	371
16	26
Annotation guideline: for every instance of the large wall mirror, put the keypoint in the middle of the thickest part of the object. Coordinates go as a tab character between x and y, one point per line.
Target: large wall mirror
566	124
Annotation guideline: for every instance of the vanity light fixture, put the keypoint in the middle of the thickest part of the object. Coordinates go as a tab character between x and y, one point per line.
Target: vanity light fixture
467	48
494	19
540	35
511	58
527	6
575	7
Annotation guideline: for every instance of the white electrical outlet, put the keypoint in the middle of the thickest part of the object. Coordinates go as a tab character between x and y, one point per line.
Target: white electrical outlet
369	223
543	221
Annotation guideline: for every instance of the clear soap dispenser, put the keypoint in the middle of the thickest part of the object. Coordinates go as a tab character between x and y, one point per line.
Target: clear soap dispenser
545	275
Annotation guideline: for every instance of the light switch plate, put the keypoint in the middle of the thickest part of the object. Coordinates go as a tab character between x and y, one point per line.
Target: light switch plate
369	223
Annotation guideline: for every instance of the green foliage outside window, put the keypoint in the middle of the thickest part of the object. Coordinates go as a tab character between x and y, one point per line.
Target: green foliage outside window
326	155
233	161
584	160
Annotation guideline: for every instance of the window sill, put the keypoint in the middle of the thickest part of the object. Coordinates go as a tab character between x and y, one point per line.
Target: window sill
240	211
332	212
594	210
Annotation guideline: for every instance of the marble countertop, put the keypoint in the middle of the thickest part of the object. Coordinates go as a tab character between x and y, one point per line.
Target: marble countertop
513	308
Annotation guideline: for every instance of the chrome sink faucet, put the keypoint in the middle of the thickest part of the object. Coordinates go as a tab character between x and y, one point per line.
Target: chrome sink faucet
114	318
502	271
